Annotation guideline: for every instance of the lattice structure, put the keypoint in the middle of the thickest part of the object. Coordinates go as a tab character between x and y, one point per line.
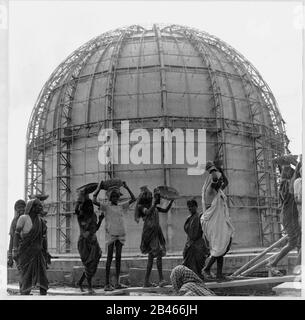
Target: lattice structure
217	97
265	142
58	138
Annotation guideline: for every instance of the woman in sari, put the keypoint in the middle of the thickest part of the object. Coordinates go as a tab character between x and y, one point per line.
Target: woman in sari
186	283
215	220
28	249
195	250
153	241
88	246
19	210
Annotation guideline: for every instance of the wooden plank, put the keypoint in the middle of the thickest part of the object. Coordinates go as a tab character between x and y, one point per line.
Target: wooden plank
251	262
68	291
259	264
227	284
251	282
164	289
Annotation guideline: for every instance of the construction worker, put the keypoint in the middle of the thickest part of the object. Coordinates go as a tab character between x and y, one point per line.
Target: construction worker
28	249
297	188
215	220
115	228
88	246
152	239
195	250
19	208
289	210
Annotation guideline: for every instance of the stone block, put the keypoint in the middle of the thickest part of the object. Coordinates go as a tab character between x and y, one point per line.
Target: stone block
288	289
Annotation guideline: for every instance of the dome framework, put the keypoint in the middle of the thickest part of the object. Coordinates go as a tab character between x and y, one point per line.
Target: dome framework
239	113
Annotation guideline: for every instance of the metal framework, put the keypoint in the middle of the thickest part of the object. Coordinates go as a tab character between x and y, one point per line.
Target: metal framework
215	88
65	78
268	140
265	150
263	144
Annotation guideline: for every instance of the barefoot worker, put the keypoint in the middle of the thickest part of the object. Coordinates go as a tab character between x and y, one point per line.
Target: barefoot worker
289	210
88	246
216	224
29	243
195	250
115	228
42	198
297	189
152	241
187	283
19	208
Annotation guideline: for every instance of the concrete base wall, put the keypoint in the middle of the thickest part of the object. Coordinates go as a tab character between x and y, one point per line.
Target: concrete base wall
68	271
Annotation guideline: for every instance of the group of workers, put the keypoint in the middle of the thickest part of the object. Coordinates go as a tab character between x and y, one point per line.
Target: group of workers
209	234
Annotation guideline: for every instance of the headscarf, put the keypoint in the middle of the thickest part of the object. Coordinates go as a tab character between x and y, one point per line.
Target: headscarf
19	203
30	206
187	282
210	165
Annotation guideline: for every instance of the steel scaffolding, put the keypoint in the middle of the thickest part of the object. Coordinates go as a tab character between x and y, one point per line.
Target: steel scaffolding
268	140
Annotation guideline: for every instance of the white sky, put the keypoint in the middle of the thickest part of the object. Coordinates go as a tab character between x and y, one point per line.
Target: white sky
42	34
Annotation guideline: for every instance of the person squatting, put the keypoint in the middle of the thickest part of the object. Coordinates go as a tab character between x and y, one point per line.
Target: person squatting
209	233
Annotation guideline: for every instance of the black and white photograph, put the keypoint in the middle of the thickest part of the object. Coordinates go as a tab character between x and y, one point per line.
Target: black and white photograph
151	150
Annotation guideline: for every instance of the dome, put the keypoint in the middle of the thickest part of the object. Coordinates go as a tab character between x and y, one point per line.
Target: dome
167	76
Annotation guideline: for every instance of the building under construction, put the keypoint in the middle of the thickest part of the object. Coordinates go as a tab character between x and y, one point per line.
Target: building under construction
158	77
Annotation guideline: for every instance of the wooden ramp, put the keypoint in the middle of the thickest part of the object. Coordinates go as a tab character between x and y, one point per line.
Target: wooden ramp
252	282
13	289
237	282
168	290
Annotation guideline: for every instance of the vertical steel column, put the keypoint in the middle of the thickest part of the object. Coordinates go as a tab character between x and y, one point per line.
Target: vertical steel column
164	124
187	87
64	138
110	89
106	45
264	167
139	65
255	119
37	125
193	38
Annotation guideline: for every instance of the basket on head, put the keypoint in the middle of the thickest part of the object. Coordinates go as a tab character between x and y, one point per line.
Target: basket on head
286	160
168	193
87	188
40	197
